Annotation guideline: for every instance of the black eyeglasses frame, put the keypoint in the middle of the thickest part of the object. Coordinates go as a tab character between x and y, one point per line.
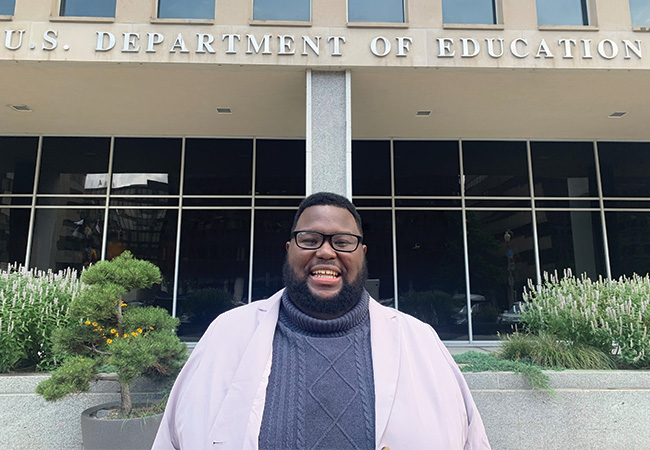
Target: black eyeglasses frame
328	237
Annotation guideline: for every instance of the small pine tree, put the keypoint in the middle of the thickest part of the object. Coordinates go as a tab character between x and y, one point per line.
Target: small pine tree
103	330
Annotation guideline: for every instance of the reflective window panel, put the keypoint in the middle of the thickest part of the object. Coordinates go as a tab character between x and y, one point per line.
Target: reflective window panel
186	9
640	11
293	10
88	8
14	226
146	166
218	167
495	168
280	167
571	240
562	12
625	168
71	165
426	168
628	237
501	261
272	231
17	164
149	234
375	11
469	11
564	169
431	269
377	236
67	238
371	168
213	272
7	7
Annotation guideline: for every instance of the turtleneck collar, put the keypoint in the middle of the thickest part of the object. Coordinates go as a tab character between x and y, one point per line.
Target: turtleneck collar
296	320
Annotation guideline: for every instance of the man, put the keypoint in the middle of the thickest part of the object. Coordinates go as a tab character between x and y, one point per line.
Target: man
321	365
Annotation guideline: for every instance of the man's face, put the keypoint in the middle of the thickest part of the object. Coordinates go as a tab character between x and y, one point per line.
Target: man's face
325	274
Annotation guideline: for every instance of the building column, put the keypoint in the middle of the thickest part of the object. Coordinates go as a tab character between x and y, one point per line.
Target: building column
329	135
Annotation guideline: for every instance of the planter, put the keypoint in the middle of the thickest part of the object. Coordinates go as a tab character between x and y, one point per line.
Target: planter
117	434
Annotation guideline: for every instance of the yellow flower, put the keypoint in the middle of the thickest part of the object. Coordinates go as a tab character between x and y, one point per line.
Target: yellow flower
94	324
100	328
113	331
126	335
140	330
109	341
151	328
134	333
87	322
123	304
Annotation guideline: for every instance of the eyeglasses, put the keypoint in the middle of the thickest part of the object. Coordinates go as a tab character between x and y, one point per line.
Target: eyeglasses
313	240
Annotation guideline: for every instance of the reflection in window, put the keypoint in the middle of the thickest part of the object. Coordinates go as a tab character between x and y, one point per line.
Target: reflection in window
14	227
186	9
287	178
67	238
213	272
74	165
495	168
625	168
431	271
426	168
291	10
571	240
628	236
7	7
564	169
375	11
377	235
562	12
88	8
640	11
501	260
149	234
272	231
218	167
469	11
17	164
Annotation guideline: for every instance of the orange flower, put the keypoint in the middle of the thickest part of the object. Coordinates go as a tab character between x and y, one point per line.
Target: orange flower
140	330
109	341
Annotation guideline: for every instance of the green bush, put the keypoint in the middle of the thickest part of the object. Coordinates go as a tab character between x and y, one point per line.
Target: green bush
32	305
610	315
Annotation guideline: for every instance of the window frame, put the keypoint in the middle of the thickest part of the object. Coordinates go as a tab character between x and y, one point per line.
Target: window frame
155	18
588	15
58	16
281	22
353	23
497	16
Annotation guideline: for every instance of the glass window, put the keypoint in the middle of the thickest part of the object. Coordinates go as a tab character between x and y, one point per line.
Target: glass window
371	168
494	168
628	238
501	261
88	8
564	169
213	272
469	11
67	238
218	167
74	165
293	10
186	9
562	12
146	166
14	227
377	235
426	168
431	269
272	231
280	167
375	11
17	165
7	7
640	10
625	168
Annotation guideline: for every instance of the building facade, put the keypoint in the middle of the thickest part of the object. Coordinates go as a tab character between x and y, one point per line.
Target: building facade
485	142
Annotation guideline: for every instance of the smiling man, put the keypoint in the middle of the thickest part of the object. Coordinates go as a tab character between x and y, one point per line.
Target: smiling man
321	365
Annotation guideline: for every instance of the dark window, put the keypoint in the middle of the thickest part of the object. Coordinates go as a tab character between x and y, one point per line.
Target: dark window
625	169
14	227
564	169
186	9
377	235
562	12
280	167
628	237
17	165
371	168
292	10
469	11
375	11
428	168
494	168
88	8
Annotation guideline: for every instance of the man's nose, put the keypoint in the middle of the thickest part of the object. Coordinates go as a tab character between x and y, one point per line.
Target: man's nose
326	251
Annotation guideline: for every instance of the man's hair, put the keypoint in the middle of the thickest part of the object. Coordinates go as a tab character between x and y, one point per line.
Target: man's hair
327	199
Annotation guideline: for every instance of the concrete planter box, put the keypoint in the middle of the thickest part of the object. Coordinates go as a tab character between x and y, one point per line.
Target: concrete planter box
592	410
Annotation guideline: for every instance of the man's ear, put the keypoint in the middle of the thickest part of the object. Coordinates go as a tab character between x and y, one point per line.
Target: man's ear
365	248
287	245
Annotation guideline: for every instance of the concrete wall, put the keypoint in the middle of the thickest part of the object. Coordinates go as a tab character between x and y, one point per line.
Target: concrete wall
592	410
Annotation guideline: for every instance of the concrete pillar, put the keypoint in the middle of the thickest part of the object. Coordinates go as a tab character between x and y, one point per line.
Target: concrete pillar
329	136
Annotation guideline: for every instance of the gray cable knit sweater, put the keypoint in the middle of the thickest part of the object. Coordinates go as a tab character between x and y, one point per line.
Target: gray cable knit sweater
321	391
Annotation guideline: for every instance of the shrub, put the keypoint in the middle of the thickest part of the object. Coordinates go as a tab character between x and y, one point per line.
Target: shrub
32	305
610	315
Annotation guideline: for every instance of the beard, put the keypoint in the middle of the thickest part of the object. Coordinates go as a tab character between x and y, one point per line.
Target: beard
336	306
